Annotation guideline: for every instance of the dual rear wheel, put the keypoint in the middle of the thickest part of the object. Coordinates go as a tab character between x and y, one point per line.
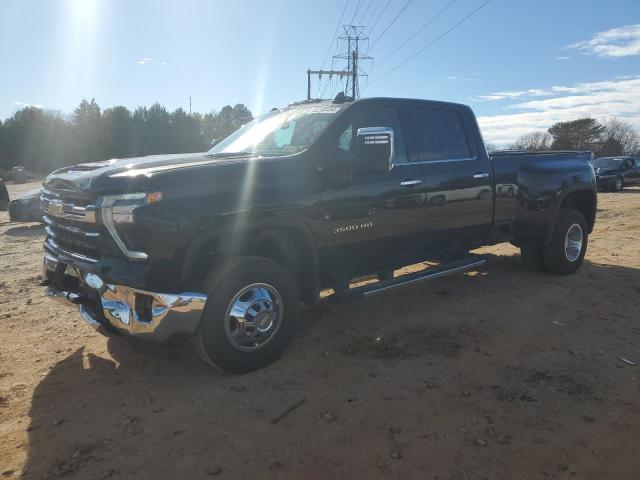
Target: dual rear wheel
565	252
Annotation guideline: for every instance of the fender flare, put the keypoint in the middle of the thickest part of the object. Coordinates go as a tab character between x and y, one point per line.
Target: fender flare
588	189
226	234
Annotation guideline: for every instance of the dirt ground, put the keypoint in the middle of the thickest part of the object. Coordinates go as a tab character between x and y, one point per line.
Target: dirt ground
505	374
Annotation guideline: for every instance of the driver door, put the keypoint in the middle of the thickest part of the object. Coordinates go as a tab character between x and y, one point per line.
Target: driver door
373	221
632	172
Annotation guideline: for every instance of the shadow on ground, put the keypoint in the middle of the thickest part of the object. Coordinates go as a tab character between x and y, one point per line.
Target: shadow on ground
31	230
510	395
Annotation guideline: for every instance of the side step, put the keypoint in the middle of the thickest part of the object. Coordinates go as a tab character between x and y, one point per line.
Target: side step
458	266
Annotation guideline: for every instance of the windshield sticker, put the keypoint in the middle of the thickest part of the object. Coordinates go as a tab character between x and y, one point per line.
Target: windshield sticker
320	109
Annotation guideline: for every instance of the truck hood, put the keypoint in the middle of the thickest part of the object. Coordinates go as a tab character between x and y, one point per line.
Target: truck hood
123	174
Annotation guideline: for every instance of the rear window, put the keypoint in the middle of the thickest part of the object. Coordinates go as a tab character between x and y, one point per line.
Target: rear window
437	134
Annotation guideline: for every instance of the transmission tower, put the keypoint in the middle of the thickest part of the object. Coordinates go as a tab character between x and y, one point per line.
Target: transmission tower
352	40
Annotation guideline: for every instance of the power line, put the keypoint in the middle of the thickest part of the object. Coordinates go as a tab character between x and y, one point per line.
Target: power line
333	37
355	12
434	41
379	17
419	31
406	5
374	10
366	10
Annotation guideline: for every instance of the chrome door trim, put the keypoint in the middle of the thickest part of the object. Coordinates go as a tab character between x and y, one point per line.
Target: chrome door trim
425	162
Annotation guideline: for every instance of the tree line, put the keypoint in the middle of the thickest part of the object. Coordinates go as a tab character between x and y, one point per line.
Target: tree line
42	141
613	137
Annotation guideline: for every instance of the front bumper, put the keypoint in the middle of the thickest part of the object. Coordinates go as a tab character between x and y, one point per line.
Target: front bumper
605	183
121	309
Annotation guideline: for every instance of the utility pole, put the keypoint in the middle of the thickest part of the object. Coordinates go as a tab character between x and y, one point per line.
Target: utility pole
352	39
189	105
354	73
329	73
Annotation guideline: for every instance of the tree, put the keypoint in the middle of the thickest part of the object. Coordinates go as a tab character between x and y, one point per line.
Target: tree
116	123
533	142
581	134
89	134
43	141
220	125
619	138
491	147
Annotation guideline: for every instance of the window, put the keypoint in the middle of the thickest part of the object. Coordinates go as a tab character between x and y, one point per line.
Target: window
344	142
437	134
376	117
280	132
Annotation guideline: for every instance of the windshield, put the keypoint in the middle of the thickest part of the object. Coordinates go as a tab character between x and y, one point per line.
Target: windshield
609	163
279	132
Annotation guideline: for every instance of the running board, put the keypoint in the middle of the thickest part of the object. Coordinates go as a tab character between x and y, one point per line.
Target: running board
451	268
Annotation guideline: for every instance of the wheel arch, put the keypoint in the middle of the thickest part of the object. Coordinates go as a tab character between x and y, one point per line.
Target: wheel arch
581	199
287	241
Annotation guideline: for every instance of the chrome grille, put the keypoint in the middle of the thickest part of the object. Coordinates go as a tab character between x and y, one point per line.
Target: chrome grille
71	227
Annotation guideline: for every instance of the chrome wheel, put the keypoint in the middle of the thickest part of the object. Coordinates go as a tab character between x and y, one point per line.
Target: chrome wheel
573	242
619	184
253	317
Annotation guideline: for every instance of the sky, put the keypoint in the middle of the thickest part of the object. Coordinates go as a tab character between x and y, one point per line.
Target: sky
522	65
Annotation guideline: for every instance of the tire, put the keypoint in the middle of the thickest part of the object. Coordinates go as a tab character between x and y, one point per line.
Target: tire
531	254
269	288
618	185
559	258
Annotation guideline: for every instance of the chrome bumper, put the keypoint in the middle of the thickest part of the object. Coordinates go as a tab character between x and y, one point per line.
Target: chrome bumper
164	314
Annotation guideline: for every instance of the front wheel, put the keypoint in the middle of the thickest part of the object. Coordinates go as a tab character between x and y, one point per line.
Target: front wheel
567	248
250	315
618	185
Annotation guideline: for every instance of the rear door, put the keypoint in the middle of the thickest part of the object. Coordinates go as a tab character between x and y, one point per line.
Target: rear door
444	143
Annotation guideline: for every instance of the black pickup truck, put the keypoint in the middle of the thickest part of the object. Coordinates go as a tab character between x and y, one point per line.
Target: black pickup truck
224	246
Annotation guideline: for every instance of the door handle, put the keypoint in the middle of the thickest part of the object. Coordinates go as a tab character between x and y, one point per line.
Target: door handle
410	183
481	175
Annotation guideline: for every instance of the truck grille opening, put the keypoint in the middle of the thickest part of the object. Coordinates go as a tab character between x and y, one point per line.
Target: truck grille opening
70	225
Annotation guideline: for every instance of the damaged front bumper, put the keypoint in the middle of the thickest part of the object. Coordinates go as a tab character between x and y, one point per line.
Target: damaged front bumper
111	308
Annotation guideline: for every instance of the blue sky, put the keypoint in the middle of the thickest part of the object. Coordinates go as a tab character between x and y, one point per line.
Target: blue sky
521	65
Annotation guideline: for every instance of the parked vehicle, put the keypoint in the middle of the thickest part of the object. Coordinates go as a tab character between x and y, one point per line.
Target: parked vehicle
614	173
4	196
223	246
26	208
20	175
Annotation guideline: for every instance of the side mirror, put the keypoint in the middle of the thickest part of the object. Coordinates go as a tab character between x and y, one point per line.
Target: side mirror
374	150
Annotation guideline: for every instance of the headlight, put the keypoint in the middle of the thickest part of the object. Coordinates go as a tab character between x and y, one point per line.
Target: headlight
119	209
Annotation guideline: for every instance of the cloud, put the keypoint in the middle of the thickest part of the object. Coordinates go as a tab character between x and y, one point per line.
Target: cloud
533	92
20	104
564	57
617	42
537	109
149	61
460	78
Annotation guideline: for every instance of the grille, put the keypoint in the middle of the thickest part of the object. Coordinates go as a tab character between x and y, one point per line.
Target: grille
70	225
